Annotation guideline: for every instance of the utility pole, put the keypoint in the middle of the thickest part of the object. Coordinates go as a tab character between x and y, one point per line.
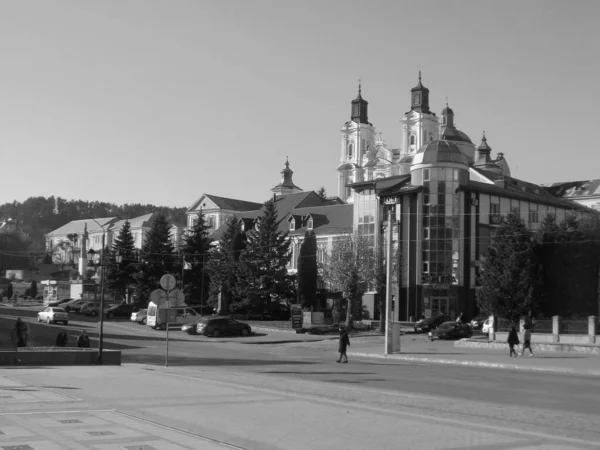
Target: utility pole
388	288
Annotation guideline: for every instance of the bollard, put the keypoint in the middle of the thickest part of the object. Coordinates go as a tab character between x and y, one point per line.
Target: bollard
555	329
592	329
492	332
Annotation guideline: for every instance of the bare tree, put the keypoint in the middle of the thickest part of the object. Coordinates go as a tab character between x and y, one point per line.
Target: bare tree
350	269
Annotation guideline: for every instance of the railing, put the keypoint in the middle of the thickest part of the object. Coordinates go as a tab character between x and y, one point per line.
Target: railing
574	327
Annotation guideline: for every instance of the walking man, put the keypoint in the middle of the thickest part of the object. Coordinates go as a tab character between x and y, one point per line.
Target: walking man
527	340
83	341
21	333
343	345
513	339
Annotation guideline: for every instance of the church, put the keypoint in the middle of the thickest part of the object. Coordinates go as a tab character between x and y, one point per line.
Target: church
447	198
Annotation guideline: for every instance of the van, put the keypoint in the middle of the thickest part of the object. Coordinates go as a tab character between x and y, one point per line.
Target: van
157	316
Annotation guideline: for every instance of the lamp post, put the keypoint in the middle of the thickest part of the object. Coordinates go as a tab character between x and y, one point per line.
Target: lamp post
102	265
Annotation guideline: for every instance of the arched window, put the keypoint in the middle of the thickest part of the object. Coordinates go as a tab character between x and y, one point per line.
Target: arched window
412	139
350	150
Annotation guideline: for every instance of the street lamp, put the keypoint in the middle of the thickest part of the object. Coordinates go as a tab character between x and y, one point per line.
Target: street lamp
102	265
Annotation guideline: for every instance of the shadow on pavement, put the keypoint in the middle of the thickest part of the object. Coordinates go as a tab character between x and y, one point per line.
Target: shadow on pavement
200	361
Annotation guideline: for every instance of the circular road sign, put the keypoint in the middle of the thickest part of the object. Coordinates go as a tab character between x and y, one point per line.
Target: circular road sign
158	297
176	298
167	282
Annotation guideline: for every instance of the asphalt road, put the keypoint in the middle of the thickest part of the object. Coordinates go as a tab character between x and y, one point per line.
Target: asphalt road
551	404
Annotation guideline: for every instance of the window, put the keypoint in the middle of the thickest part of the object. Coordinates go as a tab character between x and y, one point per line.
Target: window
426	267
310	224
348	192
533	213
362	145
210	221
412	140
350	150
425	233
292	224
425	174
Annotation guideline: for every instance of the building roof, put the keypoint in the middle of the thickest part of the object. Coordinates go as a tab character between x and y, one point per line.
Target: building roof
77	226
227	203
137	222
574	189
333	219
440	151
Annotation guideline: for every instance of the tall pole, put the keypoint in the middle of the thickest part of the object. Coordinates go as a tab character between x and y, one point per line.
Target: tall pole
388	288
202	284
101	335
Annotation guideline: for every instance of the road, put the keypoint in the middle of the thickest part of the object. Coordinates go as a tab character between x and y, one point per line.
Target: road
557	411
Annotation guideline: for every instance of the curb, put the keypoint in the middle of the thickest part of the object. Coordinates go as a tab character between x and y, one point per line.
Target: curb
484	364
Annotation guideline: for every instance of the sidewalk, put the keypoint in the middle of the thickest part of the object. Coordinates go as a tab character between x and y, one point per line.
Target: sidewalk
416	348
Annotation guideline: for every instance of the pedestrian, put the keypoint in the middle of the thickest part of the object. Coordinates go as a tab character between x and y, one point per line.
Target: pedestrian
83	341
344	343
21	333
527	340
461	317
62	339
513	339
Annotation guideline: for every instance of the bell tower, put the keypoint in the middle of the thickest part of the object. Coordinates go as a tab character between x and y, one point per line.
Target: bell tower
419	125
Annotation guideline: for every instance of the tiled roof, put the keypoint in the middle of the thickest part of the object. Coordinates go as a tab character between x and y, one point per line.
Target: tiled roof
77	226
227	203
334	219
137	222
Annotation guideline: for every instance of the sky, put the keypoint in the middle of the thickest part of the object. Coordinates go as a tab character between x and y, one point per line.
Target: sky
161	101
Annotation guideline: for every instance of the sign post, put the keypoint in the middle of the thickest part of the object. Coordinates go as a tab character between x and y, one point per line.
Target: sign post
296	313
168	283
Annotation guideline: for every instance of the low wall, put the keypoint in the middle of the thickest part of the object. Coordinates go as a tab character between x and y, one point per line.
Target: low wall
536	346
41	356
548	339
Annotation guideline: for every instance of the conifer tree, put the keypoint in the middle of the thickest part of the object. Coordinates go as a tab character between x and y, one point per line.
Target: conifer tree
195	255
157	259
509	272
121	275
307	271
267	255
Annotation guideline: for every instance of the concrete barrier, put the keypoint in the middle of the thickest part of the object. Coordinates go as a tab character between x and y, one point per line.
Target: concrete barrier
50	356
536	346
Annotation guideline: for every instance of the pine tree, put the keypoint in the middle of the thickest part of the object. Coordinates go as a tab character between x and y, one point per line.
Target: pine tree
267	255
322	193
157	259
509	272
222	266
195	250
33	290
120	276
307	271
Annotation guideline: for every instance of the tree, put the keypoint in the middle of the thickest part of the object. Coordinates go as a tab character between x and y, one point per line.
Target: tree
33	290
349	269
9	291
267	255
157	259
222	265
307	271
195	255
508	274
322	193
120	276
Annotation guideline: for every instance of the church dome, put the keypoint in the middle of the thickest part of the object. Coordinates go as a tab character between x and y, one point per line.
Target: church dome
447	110
440	151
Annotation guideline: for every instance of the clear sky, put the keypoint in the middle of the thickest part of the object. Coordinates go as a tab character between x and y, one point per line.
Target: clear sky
160	101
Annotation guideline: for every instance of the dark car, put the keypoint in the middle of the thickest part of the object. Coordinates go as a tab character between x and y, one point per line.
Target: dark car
203	310
217	326
451	330
122	310
431	323
59	302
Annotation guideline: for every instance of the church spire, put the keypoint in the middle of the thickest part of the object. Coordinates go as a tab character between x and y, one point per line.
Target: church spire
359	111
286	186
420	98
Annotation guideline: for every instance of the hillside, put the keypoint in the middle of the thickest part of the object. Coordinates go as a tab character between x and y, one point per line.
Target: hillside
40	215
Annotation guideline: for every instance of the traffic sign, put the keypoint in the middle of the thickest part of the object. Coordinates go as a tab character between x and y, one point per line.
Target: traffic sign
158	297
167	282
176	298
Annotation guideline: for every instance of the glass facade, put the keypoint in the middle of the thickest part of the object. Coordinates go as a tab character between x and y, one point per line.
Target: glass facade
441	227
367	210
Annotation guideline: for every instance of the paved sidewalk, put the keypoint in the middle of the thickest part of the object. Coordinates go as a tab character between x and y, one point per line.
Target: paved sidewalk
417	348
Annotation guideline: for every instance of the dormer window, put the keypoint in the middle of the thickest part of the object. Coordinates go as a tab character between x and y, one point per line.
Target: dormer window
292	224
309	224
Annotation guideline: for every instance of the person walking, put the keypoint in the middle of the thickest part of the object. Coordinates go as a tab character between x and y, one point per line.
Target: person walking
83	341
21	333
62	339
513	339
343	345
527	340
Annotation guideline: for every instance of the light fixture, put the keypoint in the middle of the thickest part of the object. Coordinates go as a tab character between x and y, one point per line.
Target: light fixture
90	255
118	258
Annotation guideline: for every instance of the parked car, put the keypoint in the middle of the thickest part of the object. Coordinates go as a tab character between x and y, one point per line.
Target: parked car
503	324
60	302
121	310
139	316
203	310
74	305
52	315
217	326
451	330
477	322
431	323
91	308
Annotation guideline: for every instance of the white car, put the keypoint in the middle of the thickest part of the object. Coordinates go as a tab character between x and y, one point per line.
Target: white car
502	325
139	316
53	315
